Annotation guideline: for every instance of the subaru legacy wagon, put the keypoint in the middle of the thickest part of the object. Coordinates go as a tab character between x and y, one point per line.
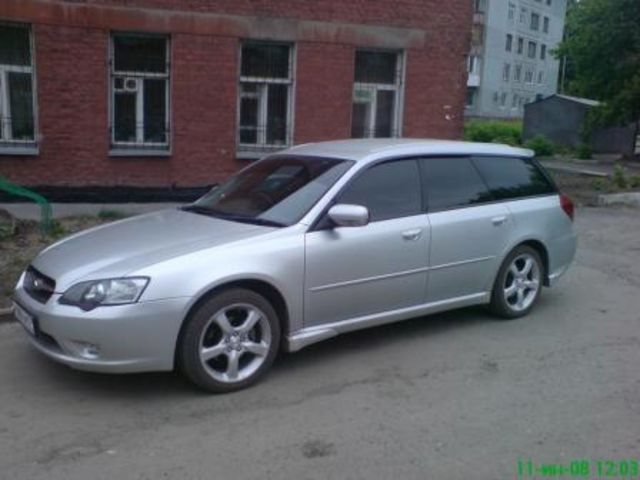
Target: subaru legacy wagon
306	244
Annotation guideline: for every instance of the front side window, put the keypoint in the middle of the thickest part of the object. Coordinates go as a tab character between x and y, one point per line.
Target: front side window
452	182
389	190
17	124
139	67
377	94
266	80
513	177
277	191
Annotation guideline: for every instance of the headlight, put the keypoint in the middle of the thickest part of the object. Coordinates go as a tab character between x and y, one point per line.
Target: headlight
113	291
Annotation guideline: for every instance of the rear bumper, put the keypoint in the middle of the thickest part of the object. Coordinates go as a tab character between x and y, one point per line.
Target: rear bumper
129	338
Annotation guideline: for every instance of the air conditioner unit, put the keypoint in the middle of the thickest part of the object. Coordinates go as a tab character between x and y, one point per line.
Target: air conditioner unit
130	85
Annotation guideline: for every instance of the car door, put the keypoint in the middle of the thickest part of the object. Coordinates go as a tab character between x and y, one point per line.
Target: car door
356	271
469	230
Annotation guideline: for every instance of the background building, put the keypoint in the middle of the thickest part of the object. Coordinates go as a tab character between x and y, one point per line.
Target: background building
510	63
169	92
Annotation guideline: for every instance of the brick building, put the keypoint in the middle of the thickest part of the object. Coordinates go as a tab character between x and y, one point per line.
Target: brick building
184	92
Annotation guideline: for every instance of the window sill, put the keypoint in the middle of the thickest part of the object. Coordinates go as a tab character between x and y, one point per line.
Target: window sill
20	151
138	152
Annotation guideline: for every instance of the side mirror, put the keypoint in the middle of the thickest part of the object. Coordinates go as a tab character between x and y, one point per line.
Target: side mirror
345	215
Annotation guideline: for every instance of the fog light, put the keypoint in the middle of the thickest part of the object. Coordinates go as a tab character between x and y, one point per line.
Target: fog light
86	350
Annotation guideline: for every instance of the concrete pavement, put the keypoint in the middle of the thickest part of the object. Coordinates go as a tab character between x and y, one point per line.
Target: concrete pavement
452	396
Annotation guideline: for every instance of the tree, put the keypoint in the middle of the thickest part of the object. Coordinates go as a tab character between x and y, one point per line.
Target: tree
602	46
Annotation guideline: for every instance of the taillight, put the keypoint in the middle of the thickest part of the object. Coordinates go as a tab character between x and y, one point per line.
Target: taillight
567	205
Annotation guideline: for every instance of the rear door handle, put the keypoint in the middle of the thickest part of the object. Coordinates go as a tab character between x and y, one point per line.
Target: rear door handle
412	235
499	220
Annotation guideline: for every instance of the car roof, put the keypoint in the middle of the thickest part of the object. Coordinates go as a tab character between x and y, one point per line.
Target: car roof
377	148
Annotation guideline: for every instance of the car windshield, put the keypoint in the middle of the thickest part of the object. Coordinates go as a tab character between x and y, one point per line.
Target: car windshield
276	191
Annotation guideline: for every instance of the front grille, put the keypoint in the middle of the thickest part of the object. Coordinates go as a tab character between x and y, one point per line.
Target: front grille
38	286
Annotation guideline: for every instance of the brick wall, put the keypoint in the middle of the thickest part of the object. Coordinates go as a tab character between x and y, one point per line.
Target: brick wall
71	49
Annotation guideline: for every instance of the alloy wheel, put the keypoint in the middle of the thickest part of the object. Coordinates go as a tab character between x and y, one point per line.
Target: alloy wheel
522	282
235	342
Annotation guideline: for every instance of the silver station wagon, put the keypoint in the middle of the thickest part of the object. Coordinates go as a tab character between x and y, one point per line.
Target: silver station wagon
306	244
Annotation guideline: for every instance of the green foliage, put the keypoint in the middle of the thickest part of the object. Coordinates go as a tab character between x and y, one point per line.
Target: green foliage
634	181
111	215
542	146
599	184
619	178
493	132
6	230
584	152
57	229
602	45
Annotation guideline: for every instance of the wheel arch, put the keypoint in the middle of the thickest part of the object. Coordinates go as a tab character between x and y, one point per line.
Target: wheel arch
262	287
541	249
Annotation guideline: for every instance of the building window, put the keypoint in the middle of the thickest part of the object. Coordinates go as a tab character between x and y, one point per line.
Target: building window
533	47
377	94
549	2
520	45
506	72
480	6
523	15
471	97
528	75
541	77
543	52
17	124
517	75
512	12
545	25
503	99
473	64
139	67
509	44
535	21
514	101
265	96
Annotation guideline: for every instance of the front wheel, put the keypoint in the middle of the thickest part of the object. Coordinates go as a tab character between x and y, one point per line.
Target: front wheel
518	284
230	341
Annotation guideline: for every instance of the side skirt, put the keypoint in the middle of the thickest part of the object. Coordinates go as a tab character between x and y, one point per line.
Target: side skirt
307	336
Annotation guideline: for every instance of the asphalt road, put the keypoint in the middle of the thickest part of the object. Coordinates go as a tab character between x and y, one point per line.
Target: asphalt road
453	396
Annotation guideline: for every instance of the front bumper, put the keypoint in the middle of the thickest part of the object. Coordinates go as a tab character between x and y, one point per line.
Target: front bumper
130	338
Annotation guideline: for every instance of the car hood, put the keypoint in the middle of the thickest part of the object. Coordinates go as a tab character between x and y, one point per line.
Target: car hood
119	248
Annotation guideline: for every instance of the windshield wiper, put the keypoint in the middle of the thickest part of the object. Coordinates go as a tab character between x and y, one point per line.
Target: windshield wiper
234	218
253	220
199	209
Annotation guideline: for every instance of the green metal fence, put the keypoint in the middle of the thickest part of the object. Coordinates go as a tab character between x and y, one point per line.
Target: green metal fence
45	206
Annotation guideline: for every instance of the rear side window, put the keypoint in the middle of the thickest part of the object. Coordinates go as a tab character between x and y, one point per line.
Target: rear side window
452	182
388	190
511	177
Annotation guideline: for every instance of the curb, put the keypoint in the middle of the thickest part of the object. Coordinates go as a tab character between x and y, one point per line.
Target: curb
6	315
627	198
576	171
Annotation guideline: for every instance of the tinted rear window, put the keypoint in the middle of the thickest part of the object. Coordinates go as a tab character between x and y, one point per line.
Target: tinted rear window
513	177
452	182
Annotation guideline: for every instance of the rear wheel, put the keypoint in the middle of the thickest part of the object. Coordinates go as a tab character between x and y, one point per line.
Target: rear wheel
230	341
518	284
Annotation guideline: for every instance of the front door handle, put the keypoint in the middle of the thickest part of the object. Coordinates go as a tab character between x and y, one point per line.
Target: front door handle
499	220
412	235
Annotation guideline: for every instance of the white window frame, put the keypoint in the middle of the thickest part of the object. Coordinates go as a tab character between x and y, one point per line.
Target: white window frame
397	87
262	83
139	145
6	133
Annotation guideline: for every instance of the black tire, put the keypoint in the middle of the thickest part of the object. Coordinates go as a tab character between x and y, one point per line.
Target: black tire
191	338
499	304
